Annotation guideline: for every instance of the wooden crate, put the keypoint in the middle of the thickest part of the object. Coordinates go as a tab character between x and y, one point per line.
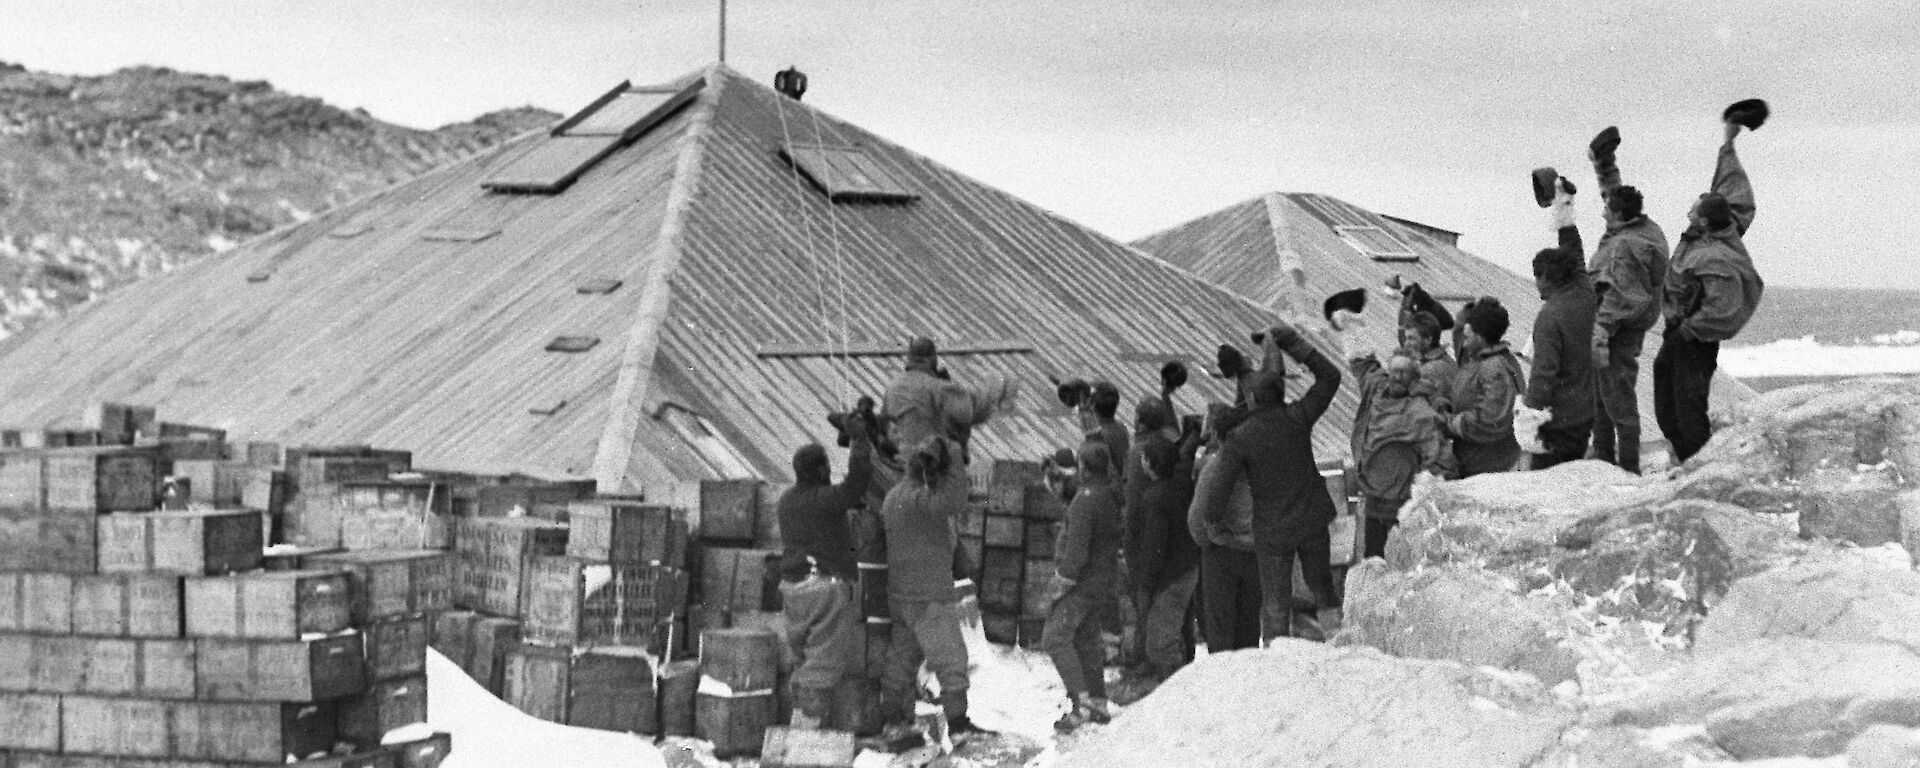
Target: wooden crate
269	605
806	748
397	647
127	605
1042	535
117	479
740	579
1007	482
743	660
452	636
22	483
729	510
493	638
281	670
71	438
635	534
260	454
106	666
1002	628
389	583
678	682
423	753
32	537
1004	531
611	689
189	448
386	705
496	551
30	721
36	602
537	681
394	515
766	525
1001	569
312	515
575	602
253	732
736	725
264	489
184	543
216	483
501	499
173	430
1043	504
115	727
123	424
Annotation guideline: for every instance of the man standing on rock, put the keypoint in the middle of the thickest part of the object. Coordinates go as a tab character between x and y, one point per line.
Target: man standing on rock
1629	264
1562	378
1273	450
1711	291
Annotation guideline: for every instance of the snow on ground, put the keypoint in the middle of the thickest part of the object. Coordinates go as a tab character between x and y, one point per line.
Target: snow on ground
1806	357
490	733
1014	690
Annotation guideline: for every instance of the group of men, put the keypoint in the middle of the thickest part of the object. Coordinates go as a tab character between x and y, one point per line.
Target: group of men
1227	506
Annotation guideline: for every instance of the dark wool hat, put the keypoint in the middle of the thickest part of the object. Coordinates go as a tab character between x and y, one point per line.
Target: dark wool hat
1715	210
1354	301
1173	375
1605	142
795	565
1543	179
1151	414
1488	318
1418	300
1230	362
921	347
1105	399
1072	392
1627	201
1063	458
1751	113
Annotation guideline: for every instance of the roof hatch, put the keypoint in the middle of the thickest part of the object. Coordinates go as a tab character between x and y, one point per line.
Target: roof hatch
612	121
846	173
1376	243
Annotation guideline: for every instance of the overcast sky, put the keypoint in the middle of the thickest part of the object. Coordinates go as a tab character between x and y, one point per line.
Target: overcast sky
1133	116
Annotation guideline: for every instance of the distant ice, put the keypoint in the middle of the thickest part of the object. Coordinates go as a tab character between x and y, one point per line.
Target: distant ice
1806	357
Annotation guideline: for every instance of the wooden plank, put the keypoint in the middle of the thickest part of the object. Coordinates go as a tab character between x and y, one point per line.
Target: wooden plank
894	349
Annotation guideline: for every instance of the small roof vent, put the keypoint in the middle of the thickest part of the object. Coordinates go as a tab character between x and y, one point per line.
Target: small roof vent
791	82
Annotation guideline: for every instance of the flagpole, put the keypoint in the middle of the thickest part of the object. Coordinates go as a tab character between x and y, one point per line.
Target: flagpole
723	31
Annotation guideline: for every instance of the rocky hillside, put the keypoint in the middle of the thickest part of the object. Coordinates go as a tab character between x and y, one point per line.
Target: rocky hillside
105	179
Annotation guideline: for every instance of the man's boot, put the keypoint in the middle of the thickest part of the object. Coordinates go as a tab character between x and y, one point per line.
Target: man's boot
954	705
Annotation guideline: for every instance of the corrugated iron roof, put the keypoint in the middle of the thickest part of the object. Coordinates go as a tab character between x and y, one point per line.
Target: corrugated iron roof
438	346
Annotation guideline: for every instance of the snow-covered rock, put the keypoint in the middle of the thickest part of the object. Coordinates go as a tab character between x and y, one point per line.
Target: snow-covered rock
1446	613
1840	598
1306	704
490	733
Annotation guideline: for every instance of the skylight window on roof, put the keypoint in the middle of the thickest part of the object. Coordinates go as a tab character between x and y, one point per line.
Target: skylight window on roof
847	173
697	433
577	143
1377	243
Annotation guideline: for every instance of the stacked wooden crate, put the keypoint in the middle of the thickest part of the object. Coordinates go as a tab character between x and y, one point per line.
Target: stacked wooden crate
597	620
152	637
1008	534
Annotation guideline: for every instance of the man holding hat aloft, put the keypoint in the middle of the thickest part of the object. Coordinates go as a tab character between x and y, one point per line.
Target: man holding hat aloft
1561	381
1629	264
1711	291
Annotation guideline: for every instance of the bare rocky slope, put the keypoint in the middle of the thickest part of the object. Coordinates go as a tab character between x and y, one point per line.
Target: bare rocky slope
106	179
